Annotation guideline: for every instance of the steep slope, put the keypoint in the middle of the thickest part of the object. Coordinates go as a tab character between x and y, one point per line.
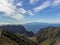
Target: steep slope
7	38
19	29
48	36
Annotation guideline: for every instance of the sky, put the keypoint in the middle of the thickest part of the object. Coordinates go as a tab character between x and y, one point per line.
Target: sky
26	11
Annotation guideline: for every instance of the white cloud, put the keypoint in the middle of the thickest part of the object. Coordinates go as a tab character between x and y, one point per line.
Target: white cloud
6	7
30	13
55	3
18	16
48	3
33	1
43	6
11	1
9	9
22	10
19	3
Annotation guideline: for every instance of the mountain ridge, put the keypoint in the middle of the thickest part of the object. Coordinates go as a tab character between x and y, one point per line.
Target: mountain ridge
19	29
36	26
45	36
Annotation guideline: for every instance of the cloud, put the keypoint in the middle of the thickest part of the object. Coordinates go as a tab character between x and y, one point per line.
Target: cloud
6	7
19	3
43	6
22	11
33	1
55	3
11	1
30	12
46	4
10	10
18	16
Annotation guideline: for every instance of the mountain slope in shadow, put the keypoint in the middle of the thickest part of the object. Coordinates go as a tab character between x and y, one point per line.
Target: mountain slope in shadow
18	29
